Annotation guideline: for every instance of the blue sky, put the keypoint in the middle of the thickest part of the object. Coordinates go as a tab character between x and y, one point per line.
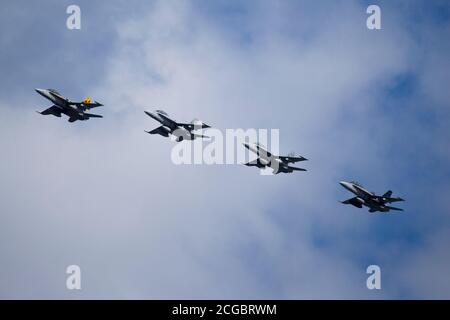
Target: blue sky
363	105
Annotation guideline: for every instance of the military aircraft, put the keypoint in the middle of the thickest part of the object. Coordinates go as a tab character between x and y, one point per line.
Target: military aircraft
182	131
74	110
277	163
369	199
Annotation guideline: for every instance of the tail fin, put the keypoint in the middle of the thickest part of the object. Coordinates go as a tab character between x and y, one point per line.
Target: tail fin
387	194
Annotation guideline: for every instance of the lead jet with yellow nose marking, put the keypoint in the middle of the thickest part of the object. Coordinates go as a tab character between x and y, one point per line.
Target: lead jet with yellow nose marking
61	105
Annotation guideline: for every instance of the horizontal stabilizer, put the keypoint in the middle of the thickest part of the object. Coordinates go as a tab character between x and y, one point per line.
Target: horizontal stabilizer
90	115
200	136
297	169
283	167
394	208
395	199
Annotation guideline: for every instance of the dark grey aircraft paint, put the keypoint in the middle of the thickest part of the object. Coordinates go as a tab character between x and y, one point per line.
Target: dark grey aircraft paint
182	131
279	164
369	199
61	105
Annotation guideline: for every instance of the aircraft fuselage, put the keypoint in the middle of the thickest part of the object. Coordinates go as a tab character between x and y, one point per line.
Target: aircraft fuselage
170	126
364	197
71	110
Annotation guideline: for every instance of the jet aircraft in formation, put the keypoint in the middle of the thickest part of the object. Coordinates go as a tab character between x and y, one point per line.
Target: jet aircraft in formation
267	159
185	131
369	199
182	131
61	105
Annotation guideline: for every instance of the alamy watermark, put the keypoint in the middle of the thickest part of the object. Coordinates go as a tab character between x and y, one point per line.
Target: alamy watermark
374	280
229	148
374	20
73	281
73	21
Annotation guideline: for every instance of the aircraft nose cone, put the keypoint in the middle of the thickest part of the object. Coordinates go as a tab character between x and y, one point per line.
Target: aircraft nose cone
344	184
153	115
42	92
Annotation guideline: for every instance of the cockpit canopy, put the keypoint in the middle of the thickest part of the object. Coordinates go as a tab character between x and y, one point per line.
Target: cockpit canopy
356	183
162	112
54	91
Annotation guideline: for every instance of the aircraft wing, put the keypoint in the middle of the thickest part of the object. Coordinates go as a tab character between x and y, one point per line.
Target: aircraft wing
353	201
384	199
287	168
160	130
87	105
389	200
387	197
292	159
193	126
254	163
54	110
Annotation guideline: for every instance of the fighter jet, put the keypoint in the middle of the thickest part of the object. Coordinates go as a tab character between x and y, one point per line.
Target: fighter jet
74	110
369	199
182	131
277	163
